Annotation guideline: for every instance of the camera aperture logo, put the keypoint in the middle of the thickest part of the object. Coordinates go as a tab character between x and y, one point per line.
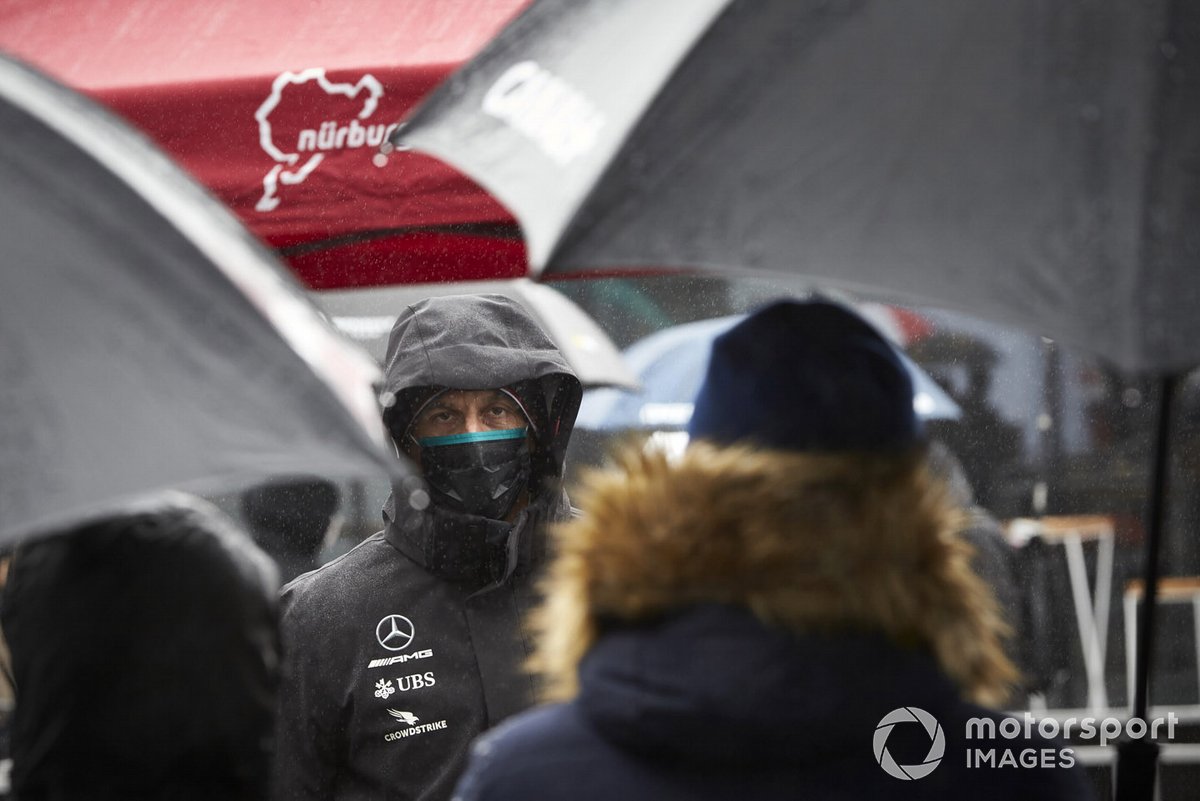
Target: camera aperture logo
937	743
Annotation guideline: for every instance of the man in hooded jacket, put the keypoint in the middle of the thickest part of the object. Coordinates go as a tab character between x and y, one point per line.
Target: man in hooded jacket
402	651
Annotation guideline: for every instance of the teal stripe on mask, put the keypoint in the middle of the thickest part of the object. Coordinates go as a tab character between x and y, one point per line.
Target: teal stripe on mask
472	436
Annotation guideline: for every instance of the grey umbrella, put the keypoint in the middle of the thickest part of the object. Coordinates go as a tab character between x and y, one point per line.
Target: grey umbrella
146	341
366	315
1033	163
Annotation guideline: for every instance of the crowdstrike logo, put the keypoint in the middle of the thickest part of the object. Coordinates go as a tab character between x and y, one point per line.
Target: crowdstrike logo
937	743
415	727
404	717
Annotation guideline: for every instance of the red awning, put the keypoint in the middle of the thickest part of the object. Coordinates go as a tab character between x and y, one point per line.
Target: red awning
279	107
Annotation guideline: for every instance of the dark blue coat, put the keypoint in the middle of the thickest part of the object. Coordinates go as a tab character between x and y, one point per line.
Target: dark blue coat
712	704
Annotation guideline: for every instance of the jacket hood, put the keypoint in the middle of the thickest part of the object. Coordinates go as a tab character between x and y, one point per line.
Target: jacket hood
809	543
480	342
145	652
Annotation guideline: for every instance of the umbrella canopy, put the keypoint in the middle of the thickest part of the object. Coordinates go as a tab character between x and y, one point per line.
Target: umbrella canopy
280	111
1037	164
367	316
148	340
1033	163
671	364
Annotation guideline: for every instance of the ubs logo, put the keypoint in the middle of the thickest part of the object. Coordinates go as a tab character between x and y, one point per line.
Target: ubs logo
394	632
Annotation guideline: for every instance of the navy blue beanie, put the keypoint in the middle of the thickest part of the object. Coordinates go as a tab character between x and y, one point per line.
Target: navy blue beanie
806	376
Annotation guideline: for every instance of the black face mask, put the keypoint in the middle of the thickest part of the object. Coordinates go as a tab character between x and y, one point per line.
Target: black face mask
477	473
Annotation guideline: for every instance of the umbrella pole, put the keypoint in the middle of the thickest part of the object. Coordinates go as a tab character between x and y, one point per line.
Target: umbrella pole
1137	760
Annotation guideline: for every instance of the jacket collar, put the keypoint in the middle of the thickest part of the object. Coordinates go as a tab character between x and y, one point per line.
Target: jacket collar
479	553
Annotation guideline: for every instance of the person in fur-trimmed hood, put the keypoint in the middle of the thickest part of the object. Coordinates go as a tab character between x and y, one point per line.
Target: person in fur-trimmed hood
782	612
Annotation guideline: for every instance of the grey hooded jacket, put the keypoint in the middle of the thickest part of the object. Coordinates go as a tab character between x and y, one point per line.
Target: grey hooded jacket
402	651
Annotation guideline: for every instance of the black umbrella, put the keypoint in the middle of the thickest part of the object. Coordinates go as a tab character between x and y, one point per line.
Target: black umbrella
1034	163
146	341
1030	162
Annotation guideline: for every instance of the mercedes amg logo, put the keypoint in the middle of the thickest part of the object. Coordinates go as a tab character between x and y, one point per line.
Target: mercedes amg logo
394	632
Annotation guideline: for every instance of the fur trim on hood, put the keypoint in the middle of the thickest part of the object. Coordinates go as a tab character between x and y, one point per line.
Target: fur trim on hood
808	542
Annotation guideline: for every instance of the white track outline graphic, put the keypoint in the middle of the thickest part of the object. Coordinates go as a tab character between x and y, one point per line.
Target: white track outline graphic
269	201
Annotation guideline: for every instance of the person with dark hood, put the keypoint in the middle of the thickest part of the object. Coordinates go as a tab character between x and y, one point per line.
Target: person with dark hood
994	559
290	520
781	612
402	651
146	658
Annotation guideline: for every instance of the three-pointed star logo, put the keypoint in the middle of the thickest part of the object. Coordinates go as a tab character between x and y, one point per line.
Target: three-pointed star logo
394	632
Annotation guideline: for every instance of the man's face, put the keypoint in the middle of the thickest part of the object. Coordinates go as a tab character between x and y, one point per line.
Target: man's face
465	411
